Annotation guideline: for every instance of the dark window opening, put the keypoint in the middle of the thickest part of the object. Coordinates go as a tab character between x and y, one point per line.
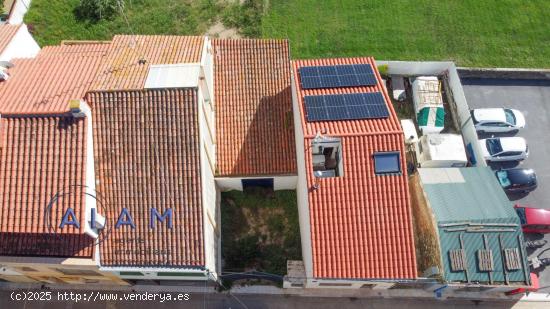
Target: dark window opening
130	273
334	284
266	183
179	274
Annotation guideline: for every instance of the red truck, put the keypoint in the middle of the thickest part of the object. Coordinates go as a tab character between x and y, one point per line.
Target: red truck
533	220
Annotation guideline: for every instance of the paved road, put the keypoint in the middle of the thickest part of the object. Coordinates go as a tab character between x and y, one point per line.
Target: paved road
532	97
265	301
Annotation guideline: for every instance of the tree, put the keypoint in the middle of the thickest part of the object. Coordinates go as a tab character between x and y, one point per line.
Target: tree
98	9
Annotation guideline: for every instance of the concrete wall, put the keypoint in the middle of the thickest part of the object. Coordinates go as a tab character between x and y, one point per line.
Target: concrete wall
467	128
301	188
90	200
22	45
235	183
19	10
207	161
152	273
438	68
50	270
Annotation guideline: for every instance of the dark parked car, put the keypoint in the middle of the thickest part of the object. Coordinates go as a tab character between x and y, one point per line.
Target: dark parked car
533	220
517	180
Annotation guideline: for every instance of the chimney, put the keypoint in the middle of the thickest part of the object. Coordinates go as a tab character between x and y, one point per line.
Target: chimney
74	108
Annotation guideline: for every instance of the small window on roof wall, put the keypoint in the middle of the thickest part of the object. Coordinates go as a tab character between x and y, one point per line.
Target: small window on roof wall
327	157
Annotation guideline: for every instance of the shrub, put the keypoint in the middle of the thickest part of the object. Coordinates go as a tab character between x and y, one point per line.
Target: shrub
247	17
96	10
383	69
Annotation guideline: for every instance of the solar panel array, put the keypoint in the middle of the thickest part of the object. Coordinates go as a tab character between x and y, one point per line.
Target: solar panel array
337	76
349	106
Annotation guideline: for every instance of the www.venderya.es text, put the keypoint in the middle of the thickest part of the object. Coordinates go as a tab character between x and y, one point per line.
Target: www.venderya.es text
97	296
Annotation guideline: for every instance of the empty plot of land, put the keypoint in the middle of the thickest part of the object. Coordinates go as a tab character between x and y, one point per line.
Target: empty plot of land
491	33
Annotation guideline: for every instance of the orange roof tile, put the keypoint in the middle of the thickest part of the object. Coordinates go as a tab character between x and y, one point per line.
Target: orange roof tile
40	157
122	67
254	124
48	82
6	34
361	222
146	145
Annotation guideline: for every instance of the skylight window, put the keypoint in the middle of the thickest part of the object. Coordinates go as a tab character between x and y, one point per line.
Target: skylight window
387	162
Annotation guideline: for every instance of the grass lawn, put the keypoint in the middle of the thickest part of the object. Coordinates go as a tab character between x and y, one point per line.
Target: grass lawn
260	230
52	21
489	33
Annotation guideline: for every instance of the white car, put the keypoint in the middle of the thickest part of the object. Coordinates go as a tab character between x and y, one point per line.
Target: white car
504	149
497	120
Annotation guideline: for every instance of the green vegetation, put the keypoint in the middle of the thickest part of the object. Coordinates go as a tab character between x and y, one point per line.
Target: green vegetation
510	33
490	33
247	17
52	21
98	9
260	230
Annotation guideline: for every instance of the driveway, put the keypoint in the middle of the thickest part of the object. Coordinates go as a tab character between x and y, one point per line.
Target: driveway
532	98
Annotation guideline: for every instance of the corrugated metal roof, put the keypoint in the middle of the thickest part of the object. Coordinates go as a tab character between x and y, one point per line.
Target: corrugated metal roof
458	201
476	211
254	124
6	34
128	60
146	148
361	224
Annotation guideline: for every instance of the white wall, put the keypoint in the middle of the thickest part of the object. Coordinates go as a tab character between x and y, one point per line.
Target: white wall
20	9
208	163
302	189
90	200
464	118
22	45
235	183
151	273
412	68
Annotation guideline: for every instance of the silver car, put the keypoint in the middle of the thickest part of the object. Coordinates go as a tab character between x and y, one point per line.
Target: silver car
497	120
504	149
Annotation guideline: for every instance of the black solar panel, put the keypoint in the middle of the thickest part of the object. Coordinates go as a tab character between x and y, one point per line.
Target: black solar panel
337	76
346	106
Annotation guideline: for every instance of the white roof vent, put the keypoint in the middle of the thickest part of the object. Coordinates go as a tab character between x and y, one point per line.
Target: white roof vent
182	75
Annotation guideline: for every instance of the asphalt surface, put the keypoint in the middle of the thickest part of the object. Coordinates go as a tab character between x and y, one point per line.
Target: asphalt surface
532	98
261	301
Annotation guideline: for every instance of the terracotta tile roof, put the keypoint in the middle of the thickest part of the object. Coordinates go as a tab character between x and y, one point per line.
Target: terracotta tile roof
40	157
122	67
6	34
146	146
254	124
361	222
48	82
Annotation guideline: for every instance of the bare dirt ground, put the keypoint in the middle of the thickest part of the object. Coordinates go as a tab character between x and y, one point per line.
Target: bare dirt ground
218	30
